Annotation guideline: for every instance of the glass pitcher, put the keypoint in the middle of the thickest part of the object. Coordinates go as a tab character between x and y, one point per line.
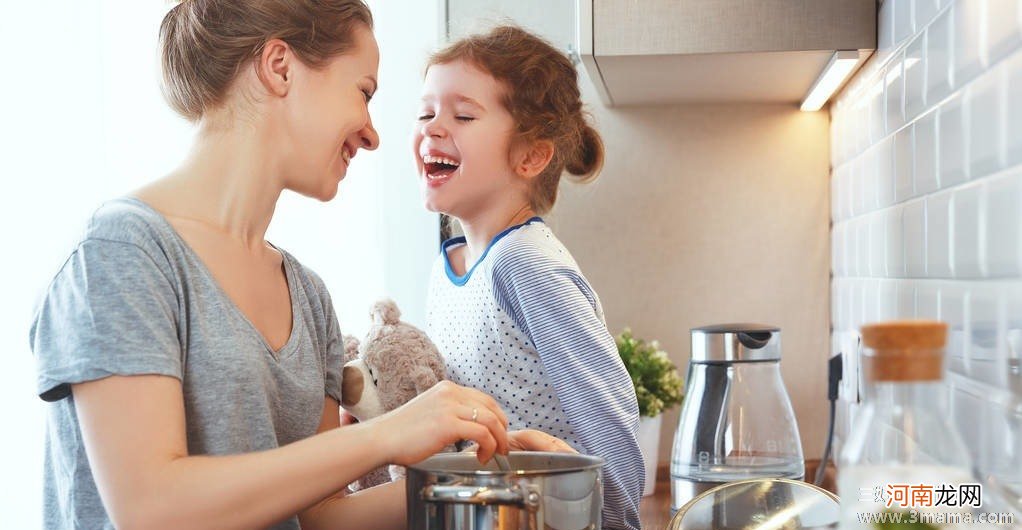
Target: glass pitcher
737	422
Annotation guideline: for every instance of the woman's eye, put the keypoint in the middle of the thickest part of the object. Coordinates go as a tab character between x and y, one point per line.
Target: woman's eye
424	117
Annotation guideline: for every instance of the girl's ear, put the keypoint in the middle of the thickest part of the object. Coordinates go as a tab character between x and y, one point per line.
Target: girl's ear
275	68
533	158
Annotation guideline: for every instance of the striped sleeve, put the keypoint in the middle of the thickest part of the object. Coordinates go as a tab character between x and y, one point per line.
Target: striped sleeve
555	307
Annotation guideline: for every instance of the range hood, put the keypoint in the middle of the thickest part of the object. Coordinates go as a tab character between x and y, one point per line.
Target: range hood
642	52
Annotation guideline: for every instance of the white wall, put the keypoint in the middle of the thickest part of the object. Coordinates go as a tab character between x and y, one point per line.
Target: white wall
83	121
927	206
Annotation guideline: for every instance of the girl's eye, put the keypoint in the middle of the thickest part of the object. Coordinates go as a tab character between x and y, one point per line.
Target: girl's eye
464	118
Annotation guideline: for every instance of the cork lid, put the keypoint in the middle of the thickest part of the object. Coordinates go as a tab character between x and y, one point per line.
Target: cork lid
904	350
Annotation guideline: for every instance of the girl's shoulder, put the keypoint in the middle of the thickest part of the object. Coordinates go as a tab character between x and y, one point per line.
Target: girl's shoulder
533	240
532	249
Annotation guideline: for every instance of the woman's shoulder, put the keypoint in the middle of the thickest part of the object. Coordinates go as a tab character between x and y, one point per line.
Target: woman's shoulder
127	220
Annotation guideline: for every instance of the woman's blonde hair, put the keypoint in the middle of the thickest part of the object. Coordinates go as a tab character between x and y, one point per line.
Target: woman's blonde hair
542	95
204	43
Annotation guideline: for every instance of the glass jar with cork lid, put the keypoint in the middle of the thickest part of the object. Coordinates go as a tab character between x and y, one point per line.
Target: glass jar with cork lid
902	457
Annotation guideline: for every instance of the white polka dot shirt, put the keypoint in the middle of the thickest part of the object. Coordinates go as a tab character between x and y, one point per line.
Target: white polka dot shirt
524	326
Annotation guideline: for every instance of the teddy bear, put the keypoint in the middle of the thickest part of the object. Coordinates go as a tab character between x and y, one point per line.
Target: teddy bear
395	363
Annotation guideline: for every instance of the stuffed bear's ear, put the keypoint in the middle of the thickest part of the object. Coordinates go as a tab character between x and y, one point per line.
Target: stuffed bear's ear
423	377
385	312
350	348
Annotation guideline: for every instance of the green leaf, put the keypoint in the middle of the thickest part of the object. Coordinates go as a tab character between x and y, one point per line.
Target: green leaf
657	384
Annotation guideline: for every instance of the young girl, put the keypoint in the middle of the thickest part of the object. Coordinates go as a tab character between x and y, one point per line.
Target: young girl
500	121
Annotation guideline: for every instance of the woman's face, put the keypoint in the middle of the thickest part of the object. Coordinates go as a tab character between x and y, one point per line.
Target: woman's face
328	118
462	141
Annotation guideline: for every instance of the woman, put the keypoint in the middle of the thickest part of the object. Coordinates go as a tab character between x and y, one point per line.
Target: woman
193	367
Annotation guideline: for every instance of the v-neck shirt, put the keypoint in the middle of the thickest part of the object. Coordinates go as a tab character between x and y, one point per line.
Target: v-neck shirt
133	298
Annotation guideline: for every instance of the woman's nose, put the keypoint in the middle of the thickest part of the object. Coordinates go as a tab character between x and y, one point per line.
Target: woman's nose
370	138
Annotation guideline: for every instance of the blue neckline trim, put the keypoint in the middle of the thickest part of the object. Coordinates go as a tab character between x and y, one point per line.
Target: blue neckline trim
463	279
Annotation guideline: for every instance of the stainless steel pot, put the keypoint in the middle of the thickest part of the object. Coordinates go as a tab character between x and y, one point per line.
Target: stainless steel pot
555	491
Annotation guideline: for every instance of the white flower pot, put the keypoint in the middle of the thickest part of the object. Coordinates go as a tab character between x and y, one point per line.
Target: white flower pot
648	436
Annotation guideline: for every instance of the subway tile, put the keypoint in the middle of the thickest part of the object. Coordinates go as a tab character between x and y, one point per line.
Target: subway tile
927	300
881	163
877	244
952	311
938	58
875	95
915	77
1013	110
968	41
914	238
925	159
903	27
984	308
838	236
1004	29
894	232
847	190
836	176
863	252
871	300
984	108
858	185
967	254
1003	225
887	300
938	235
860	117
951	143
924	11
894	93
906	299
903	177
855	306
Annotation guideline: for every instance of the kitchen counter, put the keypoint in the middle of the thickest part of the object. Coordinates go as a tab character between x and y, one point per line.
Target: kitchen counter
655	510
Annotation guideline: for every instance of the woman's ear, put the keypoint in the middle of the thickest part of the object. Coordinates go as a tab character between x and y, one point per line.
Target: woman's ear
275	67
533	158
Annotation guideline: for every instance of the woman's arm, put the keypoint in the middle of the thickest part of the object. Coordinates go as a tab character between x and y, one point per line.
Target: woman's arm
134	433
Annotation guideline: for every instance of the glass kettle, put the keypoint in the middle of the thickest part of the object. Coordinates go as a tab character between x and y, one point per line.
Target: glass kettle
737	422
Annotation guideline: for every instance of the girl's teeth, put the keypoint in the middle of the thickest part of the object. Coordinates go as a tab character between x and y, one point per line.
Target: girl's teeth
430	159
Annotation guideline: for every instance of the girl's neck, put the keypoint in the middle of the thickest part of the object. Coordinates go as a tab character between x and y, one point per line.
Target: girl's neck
480	230
229	183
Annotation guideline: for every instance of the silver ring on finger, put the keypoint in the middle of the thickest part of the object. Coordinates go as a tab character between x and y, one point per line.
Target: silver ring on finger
475	414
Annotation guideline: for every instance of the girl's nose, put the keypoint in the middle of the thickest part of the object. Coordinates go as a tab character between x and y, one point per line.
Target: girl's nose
433	129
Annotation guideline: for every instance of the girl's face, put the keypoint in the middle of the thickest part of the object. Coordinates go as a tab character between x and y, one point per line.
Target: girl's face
327	120
462	141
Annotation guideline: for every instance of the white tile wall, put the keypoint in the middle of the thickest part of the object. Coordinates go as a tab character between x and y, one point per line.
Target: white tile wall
927	206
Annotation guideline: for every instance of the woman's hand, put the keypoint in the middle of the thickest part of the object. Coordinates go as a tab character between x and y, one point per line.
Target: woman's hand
439	417
533	440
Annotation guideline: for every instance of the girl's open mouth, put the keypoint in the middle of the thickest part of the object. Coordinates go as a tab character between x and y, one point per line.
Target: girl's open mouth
439	167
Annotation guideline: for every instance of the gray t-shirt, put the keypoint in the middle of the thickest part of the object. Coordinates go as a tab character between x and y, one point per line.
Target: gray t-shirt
133	298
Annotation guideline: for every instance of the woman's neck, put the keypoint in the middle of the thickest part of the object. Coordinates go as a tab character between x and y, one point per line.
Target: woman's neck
228	182
480	230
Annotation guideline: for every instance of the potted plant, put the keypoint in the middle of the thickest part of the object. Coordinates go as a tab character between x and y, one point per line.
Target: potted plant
657	388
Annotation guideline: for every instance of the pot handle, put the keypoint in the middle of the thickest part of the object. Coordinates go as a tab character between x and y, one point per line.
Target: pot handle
513	496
